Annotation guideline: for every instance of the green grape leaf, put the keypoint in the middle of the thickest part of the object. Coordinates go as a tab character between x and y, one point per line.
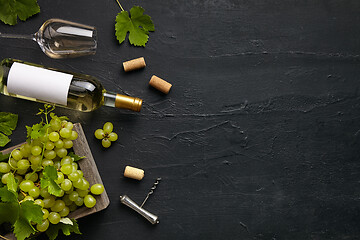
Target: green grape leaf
12	9
9	212
53	115
138	26
4	140
75	157
7	196
48	180
36	131
4	157
29	212
67	229
22	228
11	183
8	122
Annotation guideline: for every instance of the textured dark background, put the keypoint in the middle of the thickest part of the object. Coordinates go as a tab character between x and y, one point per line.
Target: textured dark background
259	137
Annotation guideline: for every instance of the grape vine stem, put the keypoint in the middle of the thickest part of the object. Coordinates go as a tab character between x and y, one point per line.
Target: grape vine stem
120	5
4	237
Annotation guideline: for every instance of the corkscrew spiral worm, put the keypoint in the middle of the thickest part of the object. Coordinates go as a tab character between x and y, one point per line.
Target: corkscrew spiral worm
152	189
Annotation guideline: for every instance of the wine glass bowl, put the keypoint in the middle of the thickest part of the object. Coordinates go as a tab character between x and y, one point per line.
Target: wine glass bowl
61	39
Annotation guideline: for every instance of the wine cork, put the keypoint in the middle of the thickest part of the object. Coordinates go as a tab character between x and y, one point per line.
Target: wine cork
134	64
160	84
134	173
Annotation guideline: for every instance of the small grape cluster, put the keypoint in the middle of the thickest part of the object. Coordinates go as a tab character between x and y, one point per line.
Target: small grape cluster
106	134
27	165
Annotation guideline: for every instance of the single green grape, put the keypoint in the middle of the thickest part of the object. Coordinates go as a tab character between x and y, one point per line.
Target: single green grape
65	133
43	226
47	162
99	134
35	160
69	125
59	143
62	193
66	169
113	137
97	189
36	150
108	127
75	165
106	143
64	212
66	185
21	171
16	154
50	154
4	167
79	201
55	124
23	164
89	201
34	192
66	160
73	195
49	201
68	144
74	135
54	136
81	174
78	183
85	184
39	202
44	193
26	185
74	176
49	145
61	152
33	176
4	178
54	217
58	206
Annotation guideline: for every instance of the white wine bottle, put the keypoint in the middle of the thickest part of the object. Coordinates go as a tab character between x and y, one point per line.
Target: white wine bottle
71	90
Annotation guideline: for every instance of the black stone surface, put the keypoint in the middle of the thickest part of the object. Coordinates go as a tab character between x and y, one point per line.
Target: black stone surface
259	137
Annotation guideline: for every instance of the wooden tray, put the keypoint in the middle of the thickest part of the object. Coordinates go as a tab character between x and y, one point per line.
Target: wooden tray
91	173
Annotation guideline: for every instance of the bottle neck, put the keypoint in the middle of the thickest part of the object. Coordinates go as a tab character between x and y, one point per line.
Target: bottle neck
122	101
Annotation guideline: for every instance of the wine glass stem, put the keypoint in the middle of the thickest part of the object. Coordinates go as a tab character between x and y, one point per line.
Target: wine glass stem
18	36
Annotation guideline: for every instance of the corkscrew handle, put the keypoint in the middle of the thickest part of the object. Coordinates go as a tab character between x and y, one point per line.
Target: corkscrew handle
130	203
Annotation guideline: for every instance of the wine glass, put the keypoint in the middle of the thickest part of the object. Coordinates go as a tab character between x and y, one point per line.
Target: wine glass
59	38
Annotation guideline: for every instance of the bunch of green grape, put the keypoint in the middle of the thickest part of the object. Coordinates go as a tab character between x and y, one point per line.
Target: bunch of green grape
106	134
27	164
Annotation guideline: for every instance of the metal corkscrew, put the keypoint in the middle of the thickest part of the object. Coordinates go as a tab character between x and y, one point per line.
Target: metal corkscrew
147	215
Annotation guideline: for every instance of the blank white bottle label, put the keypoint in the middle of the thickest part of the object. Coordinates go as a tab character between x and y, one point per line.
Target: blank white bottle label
39	83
